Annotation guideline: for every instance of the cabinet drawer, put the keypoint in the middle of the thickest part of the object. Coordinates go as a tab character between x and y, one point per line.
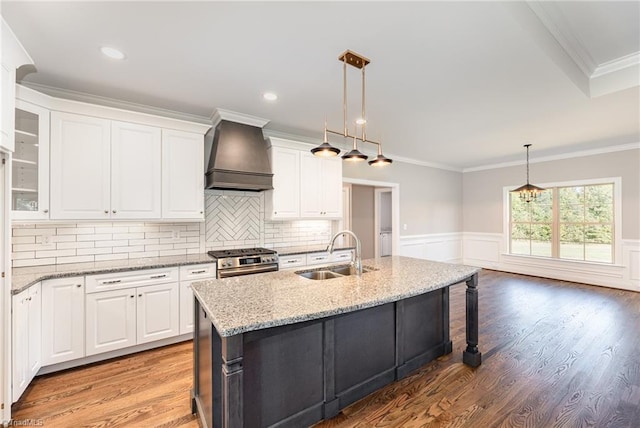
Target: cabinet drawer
297	260
191	272
342	256
318	258
136	278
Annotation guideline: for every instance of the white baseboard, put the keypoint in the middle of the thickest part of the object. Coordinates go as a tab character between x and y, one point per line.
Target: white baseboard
486	250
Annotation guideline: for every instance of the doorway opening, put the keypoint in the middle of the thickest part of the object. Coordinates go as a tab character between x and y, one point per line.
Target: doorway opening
371	209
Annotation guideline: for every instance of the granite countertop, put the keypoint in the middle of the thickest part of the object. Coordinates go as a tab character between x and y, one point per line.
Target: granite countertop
23	277
253	302
290	251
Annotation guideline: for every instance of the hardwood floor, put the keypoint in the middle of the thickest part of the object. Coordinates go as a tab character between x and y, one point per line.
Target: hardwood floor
555	354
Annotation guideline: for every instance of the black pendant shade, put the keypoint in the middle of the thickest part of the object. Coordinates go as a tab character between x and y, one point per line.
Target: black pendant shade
380	160
325	150
355	155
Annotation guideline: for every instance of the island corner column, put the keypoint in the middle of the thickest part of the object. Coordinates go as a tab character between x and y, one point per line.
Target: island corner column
472	356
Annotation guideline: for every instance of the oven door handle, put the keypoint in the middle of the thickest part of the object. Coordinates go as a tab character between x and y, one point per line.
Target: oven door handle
228	273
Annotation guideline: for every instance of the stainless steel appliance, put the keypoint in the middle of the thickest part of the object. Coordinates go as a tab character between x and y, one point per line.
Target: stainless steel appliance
244	261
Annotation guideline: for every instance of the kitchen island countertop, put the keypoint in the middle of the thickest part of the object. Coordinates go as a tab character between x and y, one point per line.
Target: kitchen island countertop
246	303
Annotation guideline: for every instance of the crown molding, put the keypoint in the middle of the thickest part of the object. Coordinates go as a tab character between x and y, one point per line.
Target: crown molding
616	65
552	18
577	154
113	103
233	116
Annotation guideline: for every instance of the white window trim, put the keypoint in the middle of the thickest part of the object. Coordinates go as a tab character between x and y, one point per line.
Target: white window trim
617	217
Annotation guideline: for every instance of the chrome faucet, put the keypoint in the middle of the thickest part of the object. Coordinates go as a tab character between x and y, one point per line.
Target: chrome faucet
357	263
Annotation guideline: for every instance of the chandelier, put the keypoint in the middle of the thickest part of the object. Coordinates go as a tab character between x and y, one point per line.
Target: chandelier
528	192
327	150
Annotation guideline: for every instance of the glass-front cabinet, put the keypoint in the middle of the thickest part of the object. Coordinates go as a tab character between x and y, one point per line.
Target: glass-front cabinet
30	163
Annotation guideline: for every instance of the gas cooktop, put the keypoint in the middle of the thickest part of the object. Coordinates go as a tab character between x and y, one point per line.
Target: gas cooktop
240	252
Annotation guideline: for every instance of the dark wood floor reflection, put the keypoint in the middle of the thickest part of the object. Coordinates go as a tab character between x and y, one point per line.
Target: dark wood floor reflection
555	354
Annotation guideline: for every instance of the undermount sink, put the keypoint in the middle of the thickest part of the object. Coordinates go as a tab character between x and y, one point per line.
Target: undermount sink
331	272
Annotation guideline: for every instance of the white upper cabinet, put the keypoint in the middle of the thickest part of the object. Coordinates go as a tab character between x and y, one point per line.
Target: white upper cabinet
283	202
80	167
102	169
30	163
182	175
304	186
135	171
321	186
13	56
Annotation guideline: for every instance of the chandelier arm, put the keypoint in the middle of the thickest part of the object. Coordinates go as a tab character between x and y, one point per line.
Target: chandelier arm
364	117
344	88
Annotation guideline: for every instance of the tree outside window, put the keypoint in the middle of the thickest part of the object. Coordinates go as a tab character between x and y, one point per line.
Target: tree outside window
572	222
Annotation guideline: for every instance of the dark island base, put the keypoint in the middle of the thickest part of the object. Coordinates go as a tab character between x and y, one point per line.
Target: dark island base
299	374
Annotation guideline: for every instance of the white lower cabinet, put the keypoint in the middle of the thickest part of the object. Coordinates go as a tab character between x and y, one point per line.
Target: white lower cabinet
157	312
26	317
310	259
62	320
189	275
110	320
126	317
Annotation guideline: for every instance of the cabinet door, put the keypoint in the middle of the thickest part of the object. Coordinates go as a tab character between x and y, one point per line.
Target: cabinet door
35	331
284	200
158	307
80	167
26	331
321	187
30	163
182	175
331	188
62	320
311	185
186	307
110	320
20	343
135	171
7	92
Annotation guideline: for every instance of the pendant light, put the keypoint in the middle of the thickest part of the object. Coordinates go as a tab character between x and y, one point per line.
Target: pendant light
355	155
528	192
325	149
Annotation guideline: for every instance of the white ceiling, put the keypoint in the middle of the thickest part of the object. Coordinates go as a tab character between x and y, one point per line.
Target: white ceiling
458	84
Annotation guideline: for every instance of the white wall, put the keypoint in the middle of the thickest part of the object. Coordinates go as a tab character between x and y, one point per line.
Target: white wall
430	198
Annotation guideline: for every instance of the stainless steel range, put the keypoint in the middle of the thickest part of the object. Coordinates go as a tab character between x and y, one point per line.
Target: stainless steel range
244	261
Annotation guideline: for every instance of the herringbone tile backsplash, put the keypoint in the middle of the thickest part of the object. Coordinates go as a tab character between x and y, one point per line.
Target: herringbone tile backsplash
232	220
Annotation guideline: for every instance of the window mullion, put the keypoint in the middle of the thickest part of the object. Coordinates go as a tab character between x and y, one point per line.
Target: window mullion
555	225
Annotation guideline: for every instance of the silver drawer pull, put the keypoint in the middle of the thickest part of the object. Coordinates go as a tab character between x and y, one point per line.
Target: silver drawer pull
292	261
319	258
164	275
198	271
115	281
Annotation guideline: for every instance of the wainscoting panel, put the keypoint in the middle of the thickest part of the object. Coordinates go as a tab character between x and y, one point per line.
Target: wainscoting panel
487	250
441	247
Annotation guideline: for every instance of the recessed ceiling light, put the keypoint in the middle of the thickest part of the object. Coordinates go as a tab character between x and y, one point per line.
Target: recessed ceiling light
361	121
269	96
112	52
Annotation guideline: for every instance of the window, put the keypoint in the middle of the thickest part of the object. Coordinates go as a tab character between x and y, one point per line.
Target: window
571	222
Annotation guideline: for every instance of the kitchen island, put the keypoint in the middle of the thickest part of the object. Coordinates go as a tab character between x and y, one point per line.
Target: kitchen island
278	349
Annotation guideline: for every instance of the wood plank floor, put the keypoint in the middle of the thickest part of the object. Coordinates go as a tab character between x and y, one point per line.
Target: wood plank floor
555	354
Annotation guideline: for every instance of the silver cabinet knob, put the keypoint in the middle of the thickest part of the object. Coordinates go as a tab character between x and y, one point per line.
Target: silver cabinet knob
114	211
106	211
45	211
79	285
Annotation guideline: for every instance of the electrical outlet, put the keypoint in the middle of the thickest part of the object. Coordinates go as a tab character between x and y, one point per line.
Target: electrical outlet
175	234
47	242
